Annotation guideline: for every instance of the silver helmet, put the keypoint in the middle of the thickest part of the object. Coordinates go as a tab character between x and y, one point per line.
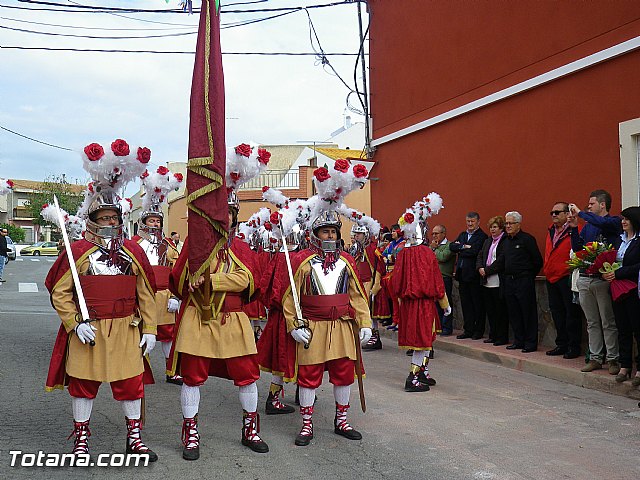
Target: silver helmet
107	235
329	218
152	234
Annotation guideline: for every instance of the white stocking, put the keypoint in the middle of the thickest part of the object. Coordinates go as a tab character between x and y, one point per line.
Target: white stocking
374	324
81	408
190	400
249	397
276	380
307	396
341	394
131	408
166	348
418	357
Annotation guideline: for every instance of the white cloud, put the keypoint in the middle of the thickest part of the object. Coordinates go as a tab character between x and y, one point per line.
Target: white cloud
73	98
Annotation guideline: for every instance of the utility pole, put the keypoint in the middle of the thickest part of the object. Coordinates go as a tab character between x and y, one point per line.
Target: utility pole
367	133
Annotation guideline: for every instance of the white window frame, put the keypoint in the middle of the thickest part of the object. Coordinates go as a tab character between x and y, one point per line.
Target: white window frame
629	137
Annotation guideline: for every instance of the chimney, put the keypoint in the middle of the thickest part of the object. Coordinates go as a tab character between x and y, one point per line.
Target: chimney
347	121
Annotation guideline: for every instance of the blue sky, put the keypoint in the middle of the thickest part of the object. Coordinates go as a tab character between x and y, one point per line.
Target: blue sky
71	99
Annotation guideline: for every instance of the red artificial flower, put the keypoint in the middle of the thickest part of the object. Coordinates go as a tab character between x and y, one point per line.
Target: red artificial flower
120	148
263	156
354	214
341	165
90	187
408	217
360	171
240	235
45	206
94	151
264	189
273	240
178	176
145	174
144	155
161	198
129	202
267	226
243	149
10	183
162	170
229	190
116	170
235	176
338	191
321	174
275	217
157	190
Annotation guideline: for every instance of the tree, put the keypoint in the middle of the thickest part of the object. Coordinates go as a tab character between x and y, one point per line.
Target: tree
68	199
16	233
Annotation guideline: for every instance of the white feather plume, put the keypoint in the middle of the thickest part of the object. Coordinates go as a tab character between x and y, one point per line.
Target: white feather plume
6	186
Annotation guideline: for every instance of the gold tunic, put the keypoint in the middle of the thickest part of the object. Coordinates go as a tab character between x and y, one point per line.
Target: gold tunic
116	354
331	340
228	334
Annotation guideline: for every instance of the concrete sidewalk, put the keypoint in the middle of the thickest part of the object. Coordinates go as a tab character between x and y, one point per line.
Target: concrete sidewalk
538	363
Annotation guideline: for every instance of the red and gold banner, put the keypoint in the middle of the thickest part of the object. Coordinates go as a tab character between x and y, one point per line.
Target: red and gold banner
206	192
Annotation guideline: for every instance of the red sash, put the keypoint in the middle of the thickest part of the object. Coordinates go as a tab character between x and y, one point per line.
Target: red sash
109	296
326	307
364	270
162	276
233	303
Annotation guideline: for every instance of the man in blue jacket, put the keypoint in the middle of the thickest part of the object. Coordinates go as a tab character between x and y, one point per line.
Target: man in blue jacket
595	298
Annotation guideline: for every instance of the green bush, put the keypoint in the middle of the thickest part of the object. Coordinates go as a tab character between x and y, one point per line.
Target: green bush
16	233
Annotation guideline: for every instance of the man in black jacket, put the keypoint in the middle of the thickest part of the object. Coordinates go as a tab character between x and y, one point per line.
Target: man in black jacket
522	262
467	246
4	251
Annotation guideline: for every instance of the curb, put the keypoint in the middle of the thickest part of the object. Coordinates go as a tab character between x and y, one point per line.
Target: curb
537	363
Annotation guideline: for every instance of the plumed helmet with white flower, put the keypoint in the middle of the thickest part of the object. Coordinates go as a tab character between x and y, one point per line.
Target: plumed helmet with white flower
414	222
244	163
156	186
249	230
6	186
73	224
110	172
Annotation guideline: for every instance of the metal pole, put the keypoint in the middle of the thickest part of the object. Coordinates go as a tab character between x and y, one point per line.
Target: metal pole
367	141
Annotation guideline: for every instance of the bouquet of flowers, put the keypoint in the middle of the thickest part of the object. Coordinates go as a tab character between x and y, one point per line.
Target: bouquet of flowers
594	258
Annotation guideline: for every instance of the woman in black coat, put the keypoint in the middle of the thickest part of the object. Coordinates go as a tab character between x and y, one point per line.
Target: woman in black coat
489	265
627	308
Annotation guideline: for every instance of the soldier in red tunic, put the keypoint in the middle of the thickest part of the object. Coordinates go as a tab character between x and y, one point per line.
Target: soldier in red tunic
161	252
418	285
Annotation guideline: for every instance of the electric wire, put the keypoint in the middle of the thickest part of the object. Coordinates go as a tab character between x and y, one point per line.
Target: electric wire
104	50
35	139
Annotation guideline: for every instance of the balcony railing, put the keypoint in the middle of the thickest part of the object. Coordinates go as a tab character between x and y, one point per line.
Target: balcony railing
274	179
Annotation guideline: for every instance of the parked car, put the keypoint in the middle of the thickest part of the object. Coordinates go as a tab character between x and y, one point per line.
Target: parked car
41	248
12	249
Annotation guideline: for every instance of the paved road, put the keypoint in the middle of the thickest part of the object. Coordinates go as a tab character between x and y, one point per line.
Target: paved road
481	421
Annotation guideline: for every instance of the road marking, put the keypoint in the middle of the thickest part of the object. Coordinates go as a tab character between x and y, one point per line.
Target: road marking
19	259
24	287
35	259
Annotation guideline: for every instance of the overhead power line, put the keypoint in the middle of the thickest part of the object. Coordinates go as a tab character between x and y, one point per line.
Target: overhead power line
100	9
292	54
177	27
93	37
35	139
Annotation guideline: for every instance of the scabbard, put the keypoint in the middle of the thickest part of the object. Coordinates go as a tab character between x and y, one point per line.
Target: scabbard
356	338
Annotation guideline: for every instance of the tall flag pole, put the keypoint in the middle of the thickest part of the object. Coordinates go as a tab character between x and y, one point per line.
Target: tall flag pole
208	220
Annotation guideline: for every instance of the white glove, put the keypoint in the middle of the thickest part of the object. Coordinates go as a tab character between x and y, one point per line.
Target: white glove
85	332
301	335
447	311
173	305
150	341
365	335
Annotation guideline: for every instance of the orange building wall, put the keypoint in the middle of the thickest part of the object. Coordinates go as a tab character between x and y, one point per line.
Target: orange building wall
556	142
